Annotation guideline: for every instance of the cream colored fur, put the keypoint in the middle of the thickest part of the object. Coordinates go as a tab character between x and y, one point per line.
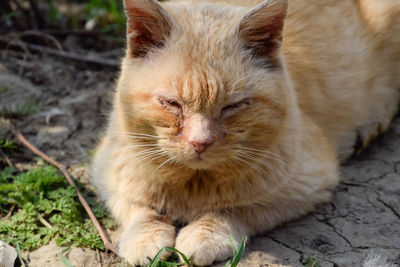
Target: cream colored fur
270	132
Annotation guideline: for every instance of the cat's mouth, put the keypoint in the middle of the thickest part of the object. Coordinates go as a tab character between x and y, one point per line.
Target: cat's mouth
198	157
199	161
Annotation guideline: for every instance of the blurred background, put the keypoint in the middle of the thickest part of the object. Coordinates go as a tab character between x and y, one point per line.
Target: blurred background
94	24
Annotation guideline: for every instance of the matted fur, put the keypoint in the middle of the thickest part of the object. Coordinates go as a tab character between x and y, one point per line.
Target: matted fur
223	124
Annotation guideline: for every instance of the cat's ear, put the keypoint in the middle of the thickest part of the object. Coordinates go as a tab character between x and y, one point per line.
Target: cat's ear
148	26
261	29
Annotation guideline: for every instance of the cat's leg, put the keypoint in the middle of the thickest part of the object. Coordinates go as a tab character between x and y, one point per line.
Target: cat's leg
207	238
144	230
144	235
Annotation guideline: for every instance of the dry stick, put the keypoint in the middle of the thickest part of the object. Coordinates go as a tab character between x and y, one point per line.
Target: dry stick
74	56
107	244
10	212
7	159
63	32
60	53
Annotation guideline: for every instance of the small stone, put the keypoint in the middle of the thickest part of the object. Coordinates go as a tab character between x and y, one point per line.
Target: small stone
8	255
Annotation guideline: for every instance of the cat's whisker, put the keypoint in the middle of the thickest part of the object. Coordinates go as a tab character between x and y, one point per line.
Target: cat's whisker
145	153
146	157
142	145
260	170
231	164
140	138
264	152
162	164
250	164
134	133
267	154
260	150
137	135
264	163
279	161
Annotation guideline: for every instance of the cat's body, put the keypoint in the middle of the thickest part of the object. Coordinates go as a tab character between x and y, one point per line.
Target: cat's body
214	130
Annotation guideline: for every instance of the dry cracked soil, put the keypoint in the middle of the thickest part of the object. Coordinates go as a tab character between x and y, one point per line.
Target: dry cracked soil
362	219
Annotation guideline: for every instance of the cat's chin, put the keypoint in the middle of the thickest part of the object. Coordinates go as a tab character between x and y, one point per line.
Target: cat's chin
199	163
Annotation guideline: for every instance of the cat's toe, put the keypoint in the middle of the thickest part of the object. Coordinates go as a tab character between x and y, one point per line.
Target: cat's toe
141	247
203	246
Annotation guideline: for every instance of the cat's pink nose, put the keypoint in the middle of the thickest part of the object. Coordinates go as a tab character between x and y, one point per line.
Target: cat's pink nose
200	147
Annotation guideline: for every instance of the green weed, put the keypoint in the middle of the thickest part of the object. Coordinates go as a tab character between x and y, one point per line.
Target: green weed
5	143
5	147
21	260
54	14
237	252
28	108
237	255
64	259
108	15
311	262
47	208
10	15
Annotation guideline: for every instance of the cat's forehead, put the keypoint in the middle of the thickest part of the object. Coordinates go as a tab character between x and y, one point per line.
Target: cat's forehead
205	17
201	28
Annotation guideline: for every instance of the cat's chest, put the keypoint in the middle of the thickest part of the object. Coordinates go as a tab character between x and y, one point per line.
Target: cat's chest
197	195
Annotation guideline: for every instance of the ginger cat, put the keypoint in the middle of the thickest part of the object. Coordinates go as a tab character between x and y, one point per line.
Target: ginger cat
230	119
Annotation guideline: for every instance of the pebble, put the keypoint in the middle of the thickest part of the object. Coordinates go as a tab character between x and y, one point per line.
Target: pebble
8	255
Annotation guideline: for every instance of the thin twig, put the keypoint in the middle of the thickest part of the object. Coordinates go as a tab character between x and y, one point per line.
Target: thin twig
43	35
99	261
353	183
44	222
15	42
6	158
60	53
63	32
74	56
10	212
107	244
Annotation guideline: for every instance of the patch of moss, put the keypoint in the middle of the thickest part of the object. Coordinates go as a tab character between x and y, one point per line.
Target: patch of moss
46	208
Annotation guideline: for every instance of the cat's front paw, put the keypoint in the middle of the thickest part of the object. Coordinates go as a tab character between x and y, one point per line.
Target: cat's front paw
138	245
204	245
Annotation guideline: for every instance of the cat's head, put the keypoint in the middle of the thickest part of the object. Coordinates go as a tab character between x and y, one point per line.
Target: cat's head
203	85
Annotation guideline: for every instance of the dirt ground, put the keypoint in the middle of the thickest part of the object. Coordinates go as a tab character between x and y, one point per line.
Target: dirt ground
362	219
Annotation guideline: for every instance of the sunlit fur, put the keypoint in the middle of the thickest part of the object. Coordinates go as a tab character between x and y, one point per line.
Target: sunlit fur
273	156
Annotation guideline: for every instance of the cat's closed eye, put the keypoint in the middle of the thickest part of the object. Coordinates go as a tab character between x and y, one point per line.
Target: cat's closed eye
234	107
170	104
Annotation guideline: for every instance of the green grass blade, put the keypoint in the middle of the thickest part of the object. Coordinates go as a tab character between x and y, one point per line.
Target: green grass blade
233	243
239	254
156	259
64	259
169	264
311	262
184	257
156	262
18	249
